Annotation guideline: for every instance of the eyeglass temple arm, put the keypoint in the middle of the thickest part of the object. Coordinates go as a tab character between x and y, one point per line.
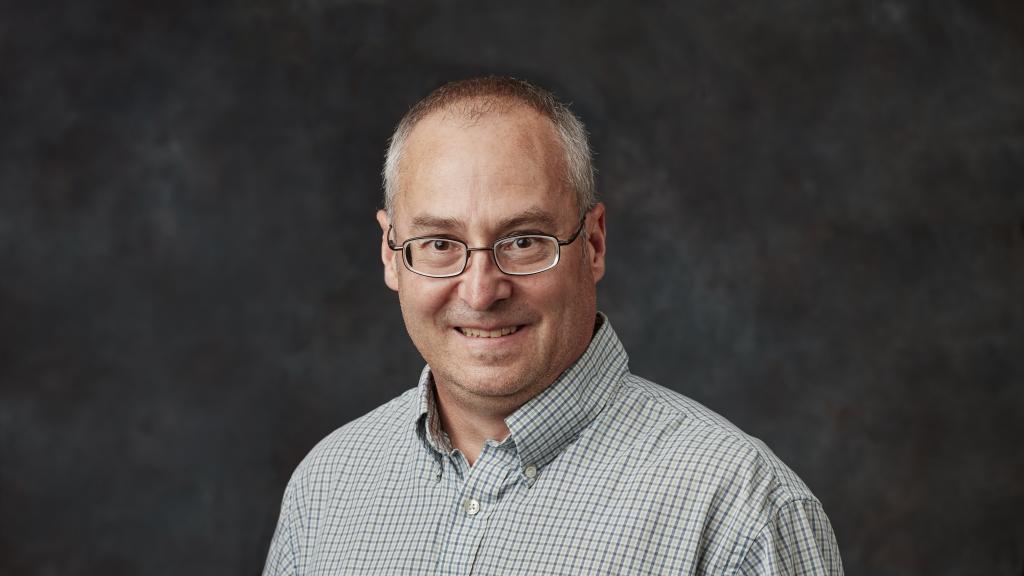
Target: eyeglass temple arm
392	245
574	236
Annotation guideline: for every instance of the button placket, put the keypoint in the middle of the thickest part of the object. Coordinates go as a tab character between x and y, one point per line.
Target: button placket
474	500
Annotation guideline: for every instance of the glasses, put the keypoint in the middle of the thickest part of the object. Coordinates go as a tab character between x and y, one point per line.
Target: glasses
520	255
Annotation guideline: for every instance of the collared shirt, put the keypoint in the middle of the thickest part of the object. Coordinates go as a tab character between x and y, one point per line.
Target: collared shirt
602	473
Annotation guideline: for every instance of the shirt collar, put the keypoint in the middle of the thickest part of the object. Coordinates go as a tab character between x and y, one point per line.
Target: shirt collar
428	420
549	422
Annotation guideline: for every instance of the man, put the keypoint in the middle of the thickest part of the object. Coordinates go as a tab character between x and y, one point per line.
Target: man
528	447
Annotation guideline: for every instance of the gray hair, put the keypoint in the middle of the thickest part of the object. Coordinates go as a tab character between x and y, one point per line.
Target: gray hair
496	94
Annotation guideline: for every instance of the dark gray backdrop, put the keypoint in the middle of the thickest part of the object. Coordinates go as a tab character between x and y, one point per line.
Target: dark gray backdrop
816	227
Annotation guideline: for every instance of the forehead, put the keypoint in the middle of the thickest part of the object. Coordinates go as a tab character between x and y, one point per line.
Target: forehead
483	168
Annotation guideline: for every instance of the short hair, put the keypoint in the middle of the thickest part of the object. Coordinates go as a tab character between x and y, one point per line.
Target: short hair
494	94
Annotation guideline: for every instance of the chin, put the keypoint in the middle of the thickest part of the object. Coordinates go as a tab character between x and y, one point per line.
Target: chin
492	382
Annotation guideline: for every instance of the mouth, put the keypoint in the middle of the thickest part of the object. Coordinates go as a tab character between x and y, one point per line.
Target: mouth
481	333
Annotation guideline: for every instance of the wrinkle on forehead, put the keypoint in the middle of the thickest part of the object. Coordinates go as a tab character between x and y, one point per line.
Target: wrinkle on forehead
535	217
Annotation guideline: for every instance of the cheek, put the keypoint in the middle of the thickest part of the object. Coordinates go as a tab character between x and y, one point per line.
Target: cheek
551	296
566	296
419	298
562	286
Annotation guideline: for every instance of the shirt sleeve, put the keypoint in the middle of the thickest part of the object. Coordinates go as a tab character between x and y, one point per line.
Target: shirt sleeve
799	541
281	559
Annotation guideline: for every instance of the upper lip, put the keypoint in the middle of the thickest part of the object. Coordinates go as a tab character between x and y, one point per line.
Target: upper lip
489	328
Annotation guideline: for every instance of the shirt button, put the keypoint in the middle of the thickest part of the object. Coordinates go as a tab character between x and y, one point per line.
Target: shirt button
471	506
530	471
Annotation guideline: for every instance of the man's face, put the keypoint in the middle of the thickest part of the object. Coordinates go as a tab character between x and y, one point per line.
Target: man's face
478	181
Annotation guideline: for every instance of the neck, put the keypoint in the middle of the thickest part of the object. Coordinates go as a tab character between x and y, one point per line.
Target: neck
469	424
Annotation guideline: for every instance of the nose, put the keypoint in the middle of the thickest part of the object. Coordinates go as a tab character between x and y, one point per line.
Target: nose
482	285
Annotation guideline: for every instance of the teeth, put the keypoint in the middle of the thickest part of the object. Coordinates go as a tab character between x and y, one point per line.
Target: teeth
474	333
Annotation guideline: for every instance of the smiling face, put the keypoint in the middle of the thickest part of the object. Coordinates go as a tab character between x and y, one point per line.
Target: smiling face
493	340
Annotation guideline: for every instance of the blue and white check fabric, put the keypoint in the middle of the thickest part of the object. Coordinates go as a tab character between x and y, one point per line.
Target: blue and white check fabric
602	473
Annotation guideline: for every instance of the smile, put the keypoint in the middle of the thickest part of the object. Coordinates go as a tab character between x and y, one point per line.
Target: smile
477	333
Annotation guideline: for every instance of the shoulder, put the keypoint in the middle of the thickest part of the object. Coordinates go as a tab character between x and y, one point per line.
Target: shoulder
684	438
750	503
341	463
347	448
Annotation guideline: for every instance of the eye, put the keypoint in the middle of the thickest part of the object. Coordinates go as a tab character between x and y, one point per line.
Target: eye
440	245
524	242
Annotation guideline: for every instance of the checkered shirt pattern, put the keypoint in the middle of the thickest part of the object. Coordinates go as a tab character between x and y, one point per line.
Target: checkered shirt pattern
602	473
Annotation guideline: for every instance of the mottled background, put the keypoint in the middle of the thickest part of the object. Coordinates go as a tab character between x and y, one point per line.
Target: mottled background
816	227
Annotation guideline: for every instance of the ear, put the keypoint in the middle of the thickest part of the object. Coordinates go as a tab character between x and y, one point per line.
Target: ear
596	241
387	255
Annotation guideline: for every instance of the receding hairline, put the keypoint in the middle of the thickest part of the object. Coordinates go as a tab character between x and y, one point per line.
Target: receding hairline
526	130
468	114
475	98
475	111
481	96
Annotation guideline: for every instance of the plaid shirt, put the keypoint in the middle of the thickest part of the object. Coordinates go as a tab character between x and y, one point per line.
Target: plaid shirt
602	473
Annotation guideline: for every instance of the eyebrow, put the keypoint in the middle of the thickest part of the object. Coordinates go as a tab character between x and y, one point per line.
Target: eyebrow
426	221
529	217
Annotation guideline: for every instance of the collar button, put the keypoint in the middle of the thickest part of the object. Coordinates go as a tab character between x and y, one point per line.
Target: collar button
530	471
